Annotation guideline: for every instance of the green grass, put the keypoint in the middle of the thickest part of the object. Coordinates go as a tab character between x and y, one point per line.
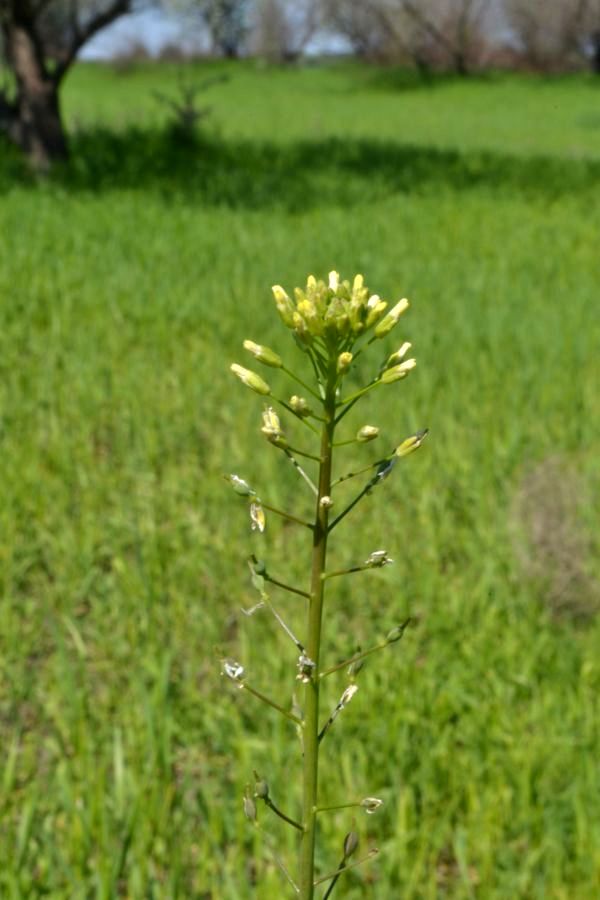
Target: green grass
128	283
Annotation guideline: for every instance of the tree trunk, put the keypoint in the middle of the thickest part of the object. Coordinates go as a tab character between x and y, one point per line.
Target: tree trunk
596	53
35	121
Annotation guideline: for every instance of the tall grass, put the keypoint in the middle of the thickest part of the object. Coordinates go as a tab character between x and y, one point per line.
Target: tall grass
125	296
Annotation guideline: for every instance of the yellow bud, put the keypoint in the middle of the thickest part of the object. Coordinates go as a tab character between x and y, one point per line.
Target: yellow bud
264	354
376	310
411	443
343	362
285	307
334	280
367	433
272	427
391	319
398	372
399	355
257	517
250	379
358	283
300	406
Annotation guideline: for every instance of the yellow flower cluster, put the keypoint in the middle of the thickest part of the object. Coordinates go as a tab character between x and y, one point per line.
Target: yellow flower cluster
336	310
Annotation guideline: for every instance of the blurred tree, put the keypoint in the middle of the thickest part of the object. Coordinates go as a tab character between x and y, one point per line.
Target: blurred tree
364	25
431	33
226	22
40	42
445	34
557	34
281	30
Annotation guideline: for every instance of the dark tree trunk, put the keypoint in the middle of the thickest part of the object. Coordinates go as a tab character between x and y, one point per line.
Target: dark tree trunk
596	53
32	120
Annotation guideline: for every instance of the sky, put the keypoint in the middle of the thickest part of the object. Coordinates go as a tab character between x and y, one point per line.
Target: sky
154	28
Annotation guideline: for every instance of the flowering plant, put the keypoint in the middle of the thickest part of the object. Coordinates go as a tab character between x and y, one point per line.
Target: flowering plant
334	323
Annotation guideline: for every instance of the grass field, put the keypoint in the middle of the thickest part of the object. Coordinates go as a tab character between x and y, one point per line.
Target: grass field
128	283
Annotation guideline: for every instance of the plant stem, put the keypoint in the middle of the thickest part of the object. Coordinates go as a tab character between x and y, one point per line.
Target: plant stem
313	648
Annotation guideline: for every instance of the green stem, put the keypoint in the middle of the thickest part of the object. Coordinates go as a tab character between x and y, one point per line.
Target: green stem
284	712
299	381
313	648
282	815
353	659
286	587
285	515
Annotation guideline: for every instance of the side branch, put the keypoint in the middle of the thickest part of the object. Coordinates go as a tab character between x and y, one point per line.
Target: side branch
82	34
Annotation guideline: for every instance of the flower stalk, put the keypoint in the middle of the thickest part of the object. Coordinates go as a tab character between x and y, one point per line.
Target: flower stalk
331	322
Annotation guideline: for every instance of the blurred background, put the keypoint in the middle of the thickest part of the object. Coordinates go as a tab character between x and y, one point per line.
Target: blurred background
160	169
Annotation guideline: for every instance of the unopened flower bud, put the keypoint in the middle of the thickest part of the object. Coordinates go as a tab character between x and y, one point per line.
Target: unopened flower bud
367	433
399	355
398	372
250	379
257	517
347	695
326	502
300	406
378	559
371	804
264	354
396	633
350	844
355	667
261	787
411	443
376	308
232	669
240	486
343	363
272	428
257	565
334	280
285	307
249	807
306	667
389	321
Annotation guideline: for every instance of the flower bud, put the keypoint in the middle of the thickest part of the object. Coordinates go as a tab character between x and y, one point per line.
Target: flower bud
347	695
306	668
232	669
261	788
326	502
300	406
371	804
411	443
387	323
264	354
257	565
240	486
334	280
396	633
350	844
343	363
249	807
250	379
355	667
399	355
367	433
398	372
378	559
376	308
257	517
272	428
285	307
